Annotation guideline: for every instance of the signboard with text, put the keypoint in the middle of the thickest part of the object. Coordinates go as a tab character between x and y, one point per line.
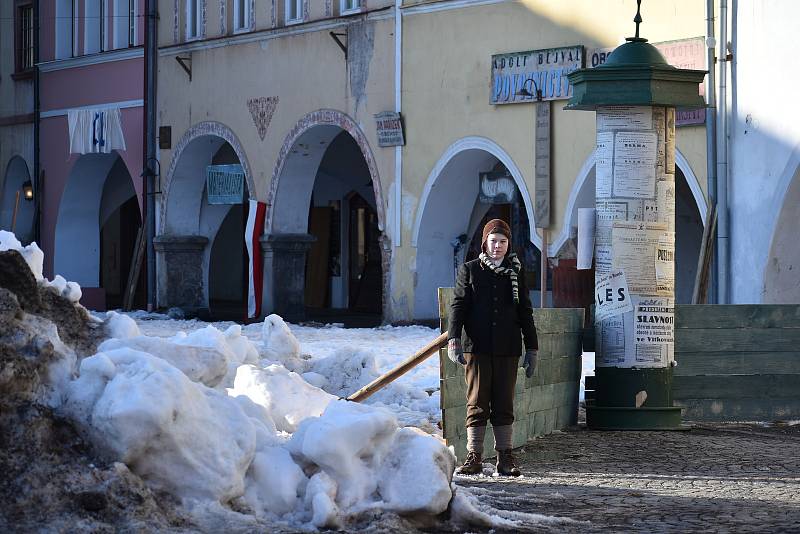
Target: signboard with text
545	70
390	129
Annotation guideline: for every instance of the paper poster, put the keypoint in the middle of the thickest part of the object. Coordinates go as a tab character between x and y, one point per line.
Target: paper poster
612	341
624	118
635	164
603	169
670	142
665	264
634	246
654	332
606	212
662	209
611	296
585	237
659	124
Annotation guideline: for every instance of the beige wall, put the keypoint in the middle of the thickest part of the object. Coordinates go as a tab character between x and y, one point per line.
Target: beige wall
446	91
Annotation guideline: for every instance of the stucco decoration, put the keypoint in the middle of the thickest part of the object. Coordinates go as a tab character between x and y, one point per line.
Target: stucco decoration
200	130
262	109
331	117
360	46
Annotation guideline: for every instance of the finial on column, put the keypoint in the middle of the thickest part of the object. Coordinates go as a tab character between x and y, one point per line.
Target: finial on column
638	18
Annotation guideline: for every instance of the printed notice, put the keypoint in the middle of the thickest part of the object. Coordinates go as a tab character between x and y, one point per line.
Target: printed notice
654	332
665	264
635	164
670	141
624	118
603	167
612	341
659	117
606	212
634	246
662	209
611	296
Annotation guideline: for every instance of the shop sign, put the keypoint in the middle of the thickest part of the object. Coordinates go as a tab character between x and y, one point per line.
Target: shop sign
225	184
497	188
390	129
548	68
683	54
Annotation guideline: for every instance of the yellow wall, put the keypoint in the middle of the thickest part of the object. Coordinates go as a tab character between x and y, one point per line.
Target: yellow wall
446	90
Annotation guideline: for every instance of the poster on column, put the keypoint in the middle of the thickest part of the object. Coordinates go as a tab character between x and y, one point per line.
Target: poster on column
611	296
606	212
635	164
634	251
654	332
662	209
612	341
670	142
659	124
624	118
665	264
603	169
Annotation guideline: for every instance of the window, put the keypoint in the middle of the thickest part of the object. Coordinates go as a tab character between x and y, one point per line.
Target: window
350	6
65	28
241	15
124	23
93	26
24	36
294	11
194	21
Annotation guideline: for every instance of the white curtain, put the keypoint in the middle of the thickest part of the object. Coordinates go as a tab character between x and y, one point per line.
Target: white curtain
97	130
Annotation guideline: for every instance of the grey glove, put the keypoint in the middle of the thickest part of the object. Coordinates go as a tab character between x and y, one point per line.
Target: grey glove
529	363
455	352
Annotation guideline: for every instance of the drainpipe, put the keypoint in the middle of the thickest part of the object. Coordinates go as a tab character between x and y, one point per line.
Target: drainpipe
150	48
37	181
711	131
398	150
723	242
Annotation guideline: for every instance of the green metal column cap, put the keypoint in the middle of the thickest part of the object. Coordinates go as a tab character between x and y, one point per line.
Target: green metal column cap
635	74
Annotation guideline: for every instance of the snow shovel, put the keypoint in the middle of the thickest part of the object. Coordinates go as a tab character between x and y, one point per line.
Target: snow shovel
406	365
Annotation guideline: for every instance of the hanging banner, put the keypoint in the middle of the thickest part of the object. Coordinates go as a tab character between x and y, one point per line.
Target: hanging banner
254	228
497	188
541	211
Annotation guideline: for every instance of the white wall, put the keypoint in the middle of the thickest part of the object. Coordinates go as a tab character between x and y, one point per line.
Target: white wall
765	132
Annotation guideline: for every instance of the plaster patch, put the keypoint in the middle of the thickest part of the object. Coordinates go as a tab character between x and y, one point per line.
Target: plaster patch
262	109
360	46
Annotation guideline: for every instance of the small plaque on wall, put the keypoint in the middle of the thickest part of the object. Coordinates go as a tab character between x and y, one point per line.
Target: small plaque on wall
390	129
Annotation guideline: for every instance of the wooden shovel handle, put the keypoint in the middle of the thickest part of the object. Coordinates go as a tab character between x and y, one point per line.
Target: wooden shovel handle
406	365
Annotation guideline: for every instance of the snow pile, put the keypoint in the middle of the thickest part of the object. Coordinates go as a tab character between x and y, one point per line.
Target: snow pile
272	444
34	257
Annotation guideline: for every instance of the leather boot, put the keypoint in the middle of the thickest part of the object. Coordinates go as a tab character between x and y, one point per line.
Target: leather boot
472	465
506	466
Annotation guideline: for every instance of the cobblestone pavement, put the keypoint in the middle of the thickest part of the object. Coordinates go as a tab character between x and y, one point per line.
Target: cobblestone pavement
712	478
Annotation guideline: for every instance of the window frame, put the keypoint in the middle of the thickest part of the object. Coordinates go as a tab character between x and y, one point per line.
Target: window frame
198	18
21	70
343	10
245	5
300	15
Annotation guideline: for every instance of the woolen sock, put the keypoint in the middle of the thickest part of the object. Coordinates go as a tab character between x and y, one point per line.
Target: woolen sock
475	436
502	437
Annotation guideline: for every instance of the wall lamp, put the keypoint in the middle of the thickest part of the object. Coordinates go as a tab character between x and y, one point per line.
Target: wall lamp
148	172
524	92
27	190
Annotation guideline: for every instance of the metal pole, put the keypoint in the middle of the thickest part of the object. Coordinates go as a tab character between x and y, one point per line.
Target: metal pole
543	302
14	214
711	133
723	243
151	42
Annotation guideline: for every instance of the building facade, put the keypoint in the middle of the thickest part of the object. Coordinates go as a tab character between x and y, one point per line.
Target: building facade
17	57
90	131
297	93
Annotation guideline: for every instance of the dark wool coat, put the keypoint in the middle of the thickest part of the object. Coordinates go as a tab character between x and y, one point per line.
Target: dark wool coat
484	306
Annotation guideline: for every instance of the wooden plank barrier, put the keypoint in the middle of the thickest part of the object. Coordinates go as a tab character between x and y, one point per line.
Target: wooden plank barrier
545	402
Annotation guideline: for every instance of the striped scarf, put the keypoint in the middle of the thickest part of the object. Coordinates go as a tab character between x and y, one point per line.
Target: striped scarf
512	272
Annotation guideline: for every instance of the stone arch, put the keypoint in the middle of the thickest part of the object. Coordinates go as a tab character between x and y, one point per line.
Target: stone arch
781	283
292	183
446	204
185	191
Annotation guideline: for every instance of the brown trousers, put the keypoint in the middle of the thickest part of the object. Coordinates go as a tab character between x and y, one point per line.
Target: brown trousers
490	389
